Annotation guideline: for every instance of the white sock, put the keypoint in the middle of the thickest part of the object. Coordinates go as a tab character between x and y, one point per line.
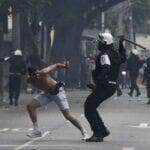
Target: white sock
83	131
35	126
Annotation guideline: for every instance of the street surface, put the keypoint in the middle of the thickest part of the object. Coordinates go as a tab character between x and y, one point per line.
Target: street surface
127	118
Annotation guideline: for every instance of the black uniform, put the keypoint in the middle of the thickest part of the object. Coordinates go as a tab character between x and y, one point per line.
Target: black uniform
119	91
147	78
16	69
105	77
134	64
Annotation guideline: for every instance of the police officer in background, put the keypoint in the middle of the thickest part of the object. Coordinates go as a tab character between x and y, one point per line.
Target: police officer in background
105	77
146	78
134	64
17	68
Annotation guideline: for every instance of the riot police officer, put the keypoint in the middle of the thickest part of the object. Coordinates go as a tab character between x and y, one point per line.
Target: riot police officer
146	78
134	65
16	69
105	81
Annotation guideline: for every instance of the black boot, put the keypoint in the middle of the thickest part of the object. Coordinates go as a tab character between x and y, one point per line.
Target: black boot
148	102
95	138
119	94
130	94
16	102
98	137
106	133
138	94
11	102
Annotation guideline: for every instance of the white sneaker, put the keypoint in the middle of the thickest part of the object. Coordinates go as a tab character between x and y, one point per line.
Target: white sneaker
34	134
85	135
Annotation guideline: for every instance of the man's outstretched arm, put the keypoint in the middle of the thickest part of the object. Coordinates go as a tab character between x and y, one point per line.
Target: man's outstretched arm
55	67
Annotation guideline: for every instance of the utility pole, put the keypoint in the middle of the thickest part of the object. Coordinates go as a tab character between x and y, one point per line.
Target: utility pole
120	24
1	65
103	21
125	26
131	22
1	30
16	32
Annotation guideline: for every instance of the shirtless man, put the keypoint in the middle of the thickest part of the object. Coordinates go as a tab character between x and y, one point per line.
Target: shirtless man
52	91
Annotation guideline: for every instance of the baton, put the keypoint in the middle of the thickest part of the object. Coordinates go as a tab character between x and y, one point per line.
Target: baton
134	43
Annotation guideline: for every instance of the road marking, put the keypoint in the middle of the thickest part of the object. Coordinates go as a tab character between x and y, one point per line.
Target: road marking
33	140
57	146
11	129
142	126
30	129
43	145
128	148
16	130
5	129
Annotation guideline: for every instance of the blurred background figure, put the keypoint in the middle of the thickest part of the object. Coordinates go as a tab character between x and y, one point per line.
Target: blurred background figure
90	65
133	65
119	91
141	70
17	68
147	78
1	83
122	79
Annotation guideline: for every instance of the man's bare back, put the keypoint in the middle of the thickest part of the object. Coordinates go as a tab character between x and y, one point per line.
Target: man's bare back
42	81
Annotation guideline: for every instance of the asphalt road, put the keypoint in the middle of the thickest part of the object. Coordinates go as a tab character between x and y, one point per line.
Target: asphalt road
127	118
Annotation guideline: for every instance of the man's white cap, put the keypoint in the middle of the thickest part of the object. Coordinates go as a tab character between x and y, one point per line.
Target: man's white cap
135	51
18	52
107	37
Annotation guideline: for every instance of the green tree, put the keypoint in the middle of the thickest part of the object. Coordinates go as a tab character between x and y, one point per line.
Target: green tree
141	14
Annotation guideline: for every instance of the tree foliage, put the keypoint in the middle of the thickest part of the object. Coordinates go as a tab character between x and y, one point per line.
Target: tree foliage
141	11
68	17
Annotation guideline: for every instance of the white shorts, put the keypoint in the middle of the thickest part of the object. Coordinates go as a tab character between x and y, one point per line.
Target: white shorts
60	99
